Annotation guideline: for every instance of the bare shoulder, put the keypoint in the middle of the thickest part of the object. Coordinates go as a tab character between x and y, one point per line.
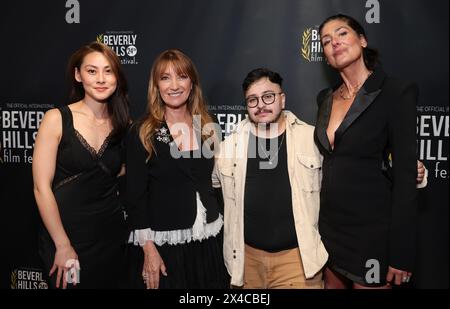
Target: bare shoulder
52	117
51	123
75	107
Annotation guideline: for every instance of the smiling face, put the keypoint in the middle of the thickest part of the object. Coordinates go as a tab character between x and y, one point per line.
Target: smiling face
97	77
342	46
174	88
265	113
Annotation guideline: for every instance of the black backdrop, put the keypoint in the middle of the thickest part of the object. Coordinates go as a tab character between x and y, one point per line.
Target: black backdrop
225	39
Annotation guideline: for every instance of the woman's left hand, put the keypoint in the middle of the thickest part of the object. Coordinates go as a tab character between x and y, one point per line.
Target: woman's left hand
397	276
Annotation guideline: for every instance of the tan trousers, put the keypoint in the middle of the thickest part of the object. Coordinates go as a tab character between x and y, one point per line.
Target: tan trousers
279	270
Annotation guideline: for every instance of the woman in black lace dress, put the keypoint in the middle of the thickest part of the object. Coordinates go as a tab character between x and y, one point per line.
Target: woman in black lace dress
77	159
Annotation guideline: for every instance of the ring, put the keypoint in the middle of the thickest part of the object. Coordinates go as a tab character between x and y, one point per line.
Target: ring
405	279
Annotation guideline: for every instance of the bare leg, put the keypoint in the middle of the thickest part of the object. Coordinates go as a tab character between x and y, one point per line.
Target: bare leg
358	286
334	280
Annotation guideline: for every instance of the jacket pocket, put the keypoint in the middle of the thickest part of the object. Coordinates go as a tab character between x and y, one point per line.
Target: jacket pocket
228	184
310	172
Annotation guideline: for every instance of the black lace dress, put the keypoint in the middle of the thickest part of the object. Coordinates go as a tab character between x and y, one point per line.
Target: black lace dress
85	187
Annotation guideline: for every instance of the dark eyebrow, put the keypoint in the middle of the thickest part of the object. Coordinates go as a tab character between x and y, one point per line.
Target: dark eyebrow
95	67
342	27
264	92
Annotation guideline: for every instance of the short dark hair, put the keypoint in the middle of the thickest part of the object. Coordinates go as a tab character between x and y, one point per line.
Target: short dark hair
370	55
259	73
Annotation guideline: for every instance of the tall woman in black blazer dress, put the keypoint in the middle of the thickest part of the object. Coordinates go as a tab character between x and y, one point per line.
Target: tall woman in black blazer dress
367	216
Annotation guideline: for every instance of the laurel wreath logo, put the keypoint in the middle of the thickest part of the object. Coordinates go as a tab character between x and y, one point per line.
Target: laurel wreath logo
100	38
14	280
306	44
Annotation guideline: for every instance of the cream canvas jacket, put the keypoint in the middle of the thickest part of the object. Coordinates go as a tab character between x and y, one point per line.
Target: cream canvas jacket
305	173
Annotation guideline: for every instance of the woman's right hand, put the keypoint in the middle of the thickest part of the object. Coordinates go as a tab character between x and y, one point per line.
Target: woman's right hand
63	255
153	264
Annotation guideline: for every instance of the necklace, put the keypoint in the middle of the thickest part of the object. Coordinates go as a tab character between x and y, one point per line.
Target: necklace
267	156
352	94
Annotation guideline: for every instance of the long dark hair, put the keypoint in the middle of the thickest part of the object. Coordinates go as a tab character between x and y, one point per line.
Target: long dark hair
118	103
370	55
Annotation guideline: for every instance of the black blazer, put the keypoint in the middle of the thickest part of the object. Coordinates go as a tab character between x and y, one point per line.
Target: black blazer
365	214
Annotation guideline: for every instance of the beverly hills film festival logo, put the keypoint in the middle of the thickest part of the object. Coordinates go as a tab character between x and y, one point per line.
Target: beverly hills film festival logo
123	43
311	48
19	124
32	279
433	138
27	279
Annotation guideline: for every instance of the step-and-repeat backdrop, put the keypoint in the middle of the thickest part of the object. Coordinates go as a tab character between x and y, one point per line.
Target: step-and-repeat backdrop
225	39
